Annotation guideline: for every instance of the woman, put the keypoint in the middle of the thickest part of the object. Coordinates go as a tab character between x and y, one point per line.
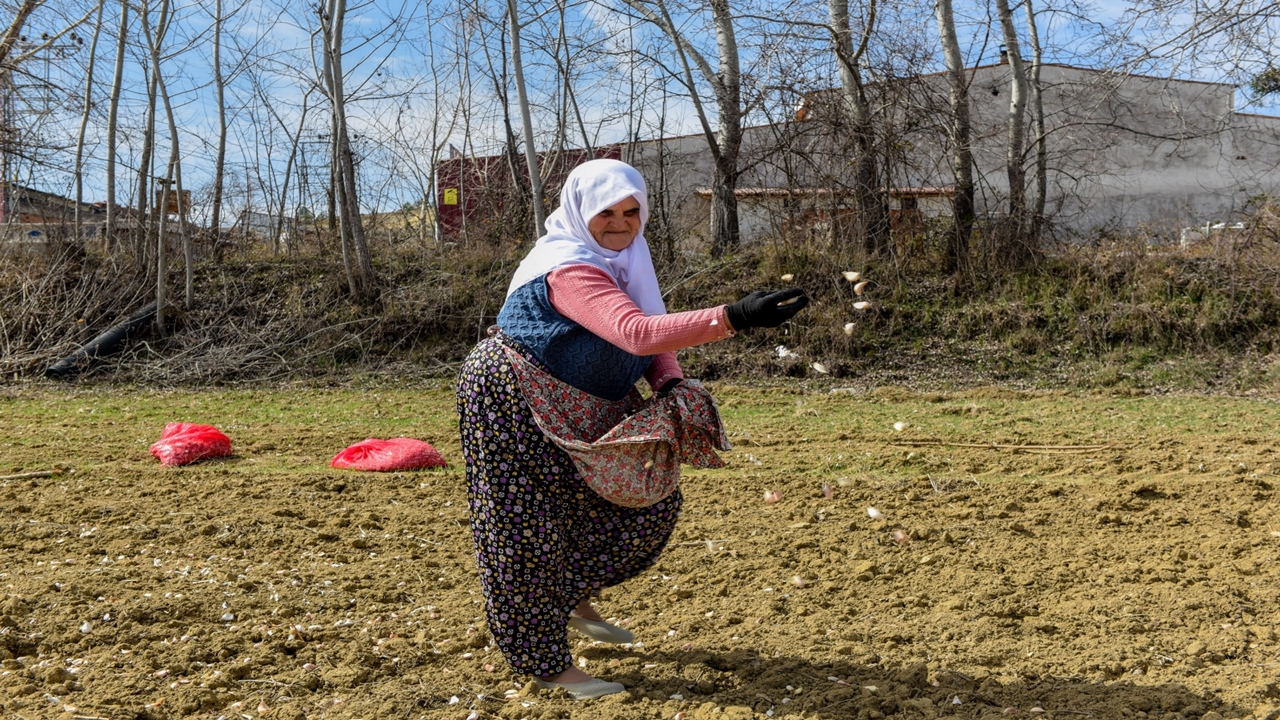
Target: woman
583	309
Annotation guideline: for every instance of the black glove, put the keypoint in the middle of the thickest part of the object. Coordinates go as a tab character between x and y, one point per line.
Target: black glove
764	308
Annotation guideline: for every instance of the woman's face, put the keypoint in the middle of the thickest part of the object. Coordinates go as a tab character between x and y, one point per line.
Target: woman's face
616	226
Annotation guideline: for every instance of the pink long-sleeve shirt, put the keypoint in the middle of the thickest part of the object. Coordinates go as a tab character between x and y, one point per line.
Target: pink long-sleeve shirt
588	296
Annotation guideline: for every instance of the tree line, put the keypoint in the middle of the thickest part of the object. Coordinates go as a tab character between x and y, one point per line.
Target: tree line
334	111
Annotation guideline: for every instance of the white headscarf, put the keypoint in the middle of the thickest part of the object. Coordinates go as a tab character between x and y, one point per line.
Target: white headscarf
591	188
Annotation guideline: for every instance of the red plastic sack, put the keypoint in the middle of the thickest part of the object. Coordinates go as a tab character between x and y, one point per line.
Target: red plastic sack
183	443
388	455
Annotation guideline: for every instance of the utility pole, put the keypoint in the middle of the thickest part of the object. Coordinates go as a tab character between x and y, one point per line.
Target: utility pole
38	100
7	134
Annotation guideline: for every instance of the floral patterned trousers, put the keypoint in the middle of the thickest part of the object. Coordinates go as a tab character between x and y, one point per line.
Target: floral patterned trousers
544	540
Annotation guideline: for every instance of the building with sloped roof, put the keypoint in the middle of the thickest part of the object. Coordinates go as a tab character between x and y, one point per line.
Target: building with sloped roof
1122	151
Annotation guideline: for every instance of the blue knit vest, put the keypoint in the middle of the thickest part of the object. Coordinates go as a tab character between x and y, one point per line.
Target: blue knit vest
574	354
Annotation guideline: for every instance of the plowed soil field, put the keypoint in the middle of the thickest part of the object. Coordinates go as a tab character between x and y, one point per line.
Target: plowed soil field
985	553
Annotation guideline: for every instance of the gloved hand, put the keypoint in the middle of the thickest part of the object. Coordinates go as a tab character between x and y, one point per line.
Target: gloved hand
764	308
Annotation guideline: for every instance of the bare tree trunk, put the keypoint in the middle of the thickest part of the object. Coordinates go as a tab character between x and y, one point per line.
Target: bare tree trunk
335	181
84	120
142	237
288	172
1017	130
349	203
220	159
869	200
173	177
1041	187
7	144
467	85
113	114
562	40
330	194
154	41
436	147
358	263
962	206
430	210
526	121
724	210
11	33
634	117
510	149
725	144
660	191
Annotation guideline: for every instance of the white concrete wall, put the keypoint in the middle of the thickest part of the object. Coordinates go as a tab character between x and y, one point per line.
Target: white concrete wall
1124	151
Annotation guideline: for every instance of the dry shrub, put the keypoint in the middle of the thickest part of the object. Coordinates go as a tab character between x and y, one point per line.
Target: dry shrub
57	298
274	318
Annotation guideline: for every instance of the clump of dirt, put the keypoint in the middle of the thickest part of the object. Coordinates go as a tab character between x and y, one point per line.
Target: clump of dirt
132	591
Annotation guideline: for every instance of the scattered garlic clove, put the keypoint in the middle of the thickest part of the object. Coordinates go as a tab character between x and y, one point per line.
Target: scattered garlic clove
874	514
848	328
772	496
861	305
798	581
860	287
852	276
788	277
820	368
901	537
828	491
899	426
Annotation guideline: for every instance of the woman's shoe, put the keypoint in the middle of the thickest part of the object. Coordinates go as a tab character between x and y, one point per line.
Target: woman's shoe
601	630
593	688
